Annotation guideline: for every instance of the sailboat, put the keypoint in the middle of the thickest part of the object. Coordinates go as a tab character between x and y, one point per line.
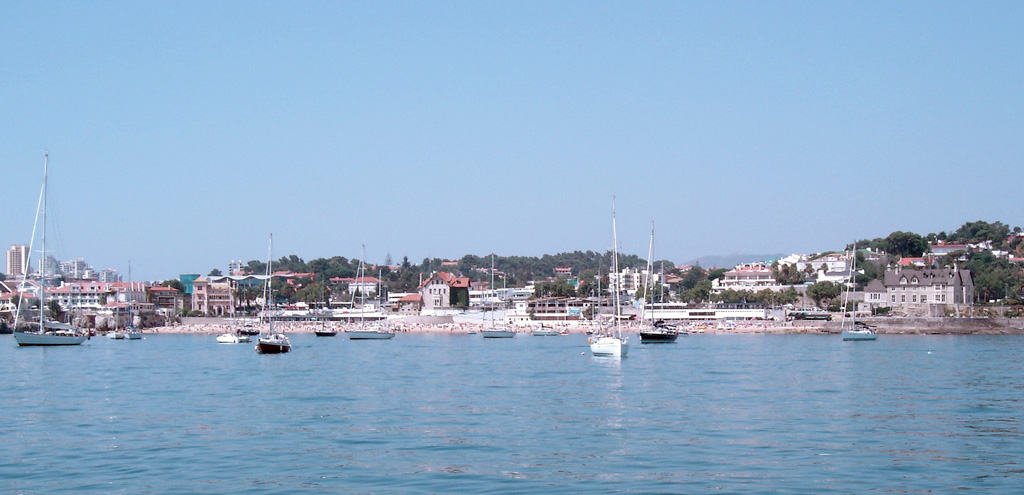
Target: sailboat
858	330
364	332
323	329
46	333
654	332
273	342
130	330
612	343
493	330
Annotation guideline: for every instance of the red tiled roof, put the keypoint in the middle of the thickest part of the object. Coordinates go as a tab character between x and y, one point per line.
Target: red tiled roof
448	279
411	298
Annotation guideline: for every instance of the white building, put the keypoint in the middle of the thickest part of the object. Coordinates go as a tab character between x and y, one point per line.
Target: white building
108	275
75	269
630	280
17	261
748	276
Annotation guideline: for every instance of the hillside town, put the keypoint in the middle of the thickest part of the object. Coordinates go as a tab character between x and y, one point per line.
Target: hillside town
938	281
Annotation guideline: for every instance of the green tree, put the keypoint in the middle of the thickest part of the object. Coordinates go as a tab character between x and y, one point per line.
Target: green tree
215	272
906	244
823	292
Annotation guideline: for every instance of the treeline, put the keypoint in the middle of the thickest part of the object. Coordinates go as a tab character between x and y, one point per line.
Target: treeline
406	276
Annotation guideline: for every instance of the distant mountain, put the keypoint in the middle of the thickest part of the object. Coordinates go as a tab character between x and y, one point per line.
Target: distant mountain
731	260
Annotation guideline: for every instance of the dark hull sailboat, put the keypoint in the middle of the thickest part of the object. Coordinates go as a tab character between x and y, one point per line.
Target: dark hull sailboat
275	344
660	333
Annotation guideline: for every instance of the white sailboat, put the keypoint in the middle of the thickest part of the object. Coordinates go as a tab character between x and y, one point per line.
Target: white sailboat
377	331
46	333
858	330
273	342
494	330
612	343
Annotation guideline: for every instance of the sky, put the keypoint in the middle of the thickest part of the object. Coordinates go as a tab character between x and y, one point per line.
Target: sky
181	134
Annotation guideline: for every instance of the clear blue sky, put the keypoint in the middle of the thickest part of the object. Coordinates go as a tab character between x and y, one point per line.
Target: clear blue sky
180	134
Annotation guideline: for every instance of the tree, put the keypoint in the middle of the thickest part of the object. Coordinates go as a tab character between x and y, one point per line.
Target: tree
215	272
906	244
175	283
823	292
56	312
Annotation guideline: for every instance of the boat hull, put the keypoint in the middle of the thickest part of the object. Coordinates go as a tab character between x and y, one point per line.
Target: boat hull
47	339
859	335
133	335
609	347
658	337
272	348
369	335
228	338
496	333
325	333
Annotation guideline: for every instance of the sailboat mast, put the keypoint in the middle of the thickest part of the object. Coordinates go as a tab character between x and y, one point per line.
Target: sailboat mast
615	268
268	291
648	285
42	251
848	288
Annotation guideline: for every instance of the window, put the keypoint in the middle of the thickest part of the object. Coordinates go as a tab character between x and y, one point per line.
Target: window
903	298
913	298
894	298
924	298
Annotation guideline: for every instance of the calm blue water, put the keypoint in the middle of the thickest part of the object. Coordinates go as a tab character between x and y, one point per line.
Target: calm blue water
798	414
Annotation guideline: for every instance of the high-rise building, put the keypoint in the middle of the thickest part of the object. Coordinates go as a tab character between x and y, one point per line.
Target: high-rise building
17	260
108	275
235	267
75	269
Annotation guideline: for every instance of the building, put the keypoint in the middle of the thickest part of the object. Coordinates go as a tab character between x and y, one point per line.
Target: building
17	261
235	267
75	269
364	285
212	298
85	294
748	276
630	280
444	290
108	275
924	291
166	298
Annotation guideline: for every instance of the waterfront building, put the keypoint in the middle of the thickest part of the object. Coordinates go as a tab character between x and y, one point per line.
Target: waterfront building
84	294
444	290
748	276
17	261
167	298
410	304
212	298
923	292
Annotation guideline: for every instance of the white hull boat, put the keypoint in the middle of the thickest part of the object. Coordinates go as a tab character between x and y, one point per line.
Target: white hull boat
133	335
498	333
115	335
609	346
228	338
859	334
49	338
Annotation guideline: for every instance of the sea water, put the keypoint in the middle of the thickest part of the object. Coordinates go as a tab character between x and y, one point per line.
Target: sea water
442	414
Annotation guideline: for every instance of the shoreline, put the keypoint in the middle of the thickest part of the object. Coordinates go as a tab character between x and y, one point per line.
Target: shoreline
881	326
